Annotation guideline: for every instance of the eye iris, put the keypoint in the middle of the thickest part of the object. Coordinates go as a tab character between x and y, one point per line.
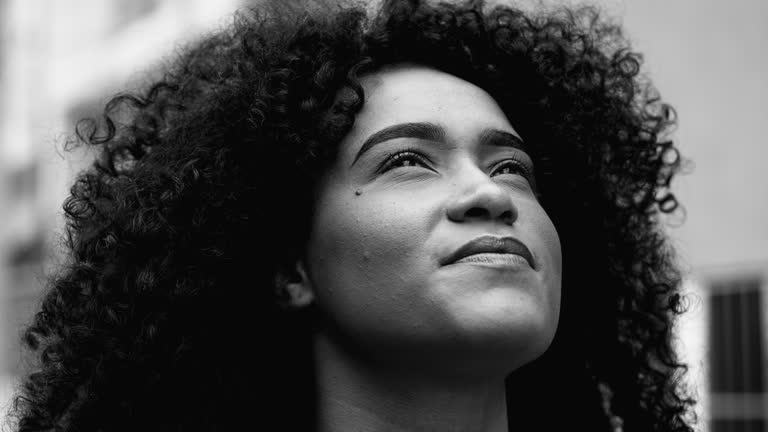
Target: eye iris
404	160
508	168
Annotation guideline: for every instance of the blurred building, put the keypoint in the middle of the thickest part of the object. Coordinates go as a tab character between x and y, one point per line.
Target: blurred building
736	342
60	61
707	57
723	339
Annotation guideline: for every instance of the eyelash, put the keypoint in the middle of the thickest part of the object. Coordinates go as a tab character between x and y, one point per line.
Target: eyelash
412	154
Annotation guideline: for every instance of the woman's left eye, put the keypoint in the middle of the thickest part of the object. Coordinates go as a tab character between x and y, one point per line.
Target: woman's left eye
513	167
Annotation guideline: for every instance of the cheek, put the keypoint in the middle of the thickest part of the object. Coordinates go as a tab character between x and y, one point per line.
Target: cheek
551	259
365	243
368	265
546	235
551	241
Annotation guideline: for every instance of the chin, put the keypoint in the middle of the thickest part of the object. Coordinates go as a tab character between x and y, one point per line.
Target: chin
503	346
513	318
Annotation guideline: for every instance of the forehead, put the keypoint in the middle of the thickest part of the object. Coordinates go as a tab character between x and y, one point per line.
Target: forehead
408	93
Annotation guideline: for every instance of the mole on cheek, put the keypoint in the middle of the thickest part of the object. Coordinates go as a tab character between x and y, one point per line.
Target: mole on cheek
358	192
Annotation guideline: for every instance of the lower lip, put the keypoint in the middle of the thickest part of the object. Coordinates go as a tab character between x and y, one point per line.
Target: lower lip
495	260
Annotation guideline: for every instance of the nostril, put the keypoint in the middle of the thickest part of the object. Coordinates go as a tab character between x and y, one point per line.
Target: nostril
476	212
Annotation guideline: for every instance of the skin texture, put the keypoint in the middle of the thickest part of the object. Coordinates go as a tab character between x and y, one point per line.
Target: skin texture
397	320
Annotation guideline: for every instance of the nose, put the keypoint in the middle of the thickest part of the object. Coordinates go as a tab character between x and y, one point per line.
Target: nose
482	199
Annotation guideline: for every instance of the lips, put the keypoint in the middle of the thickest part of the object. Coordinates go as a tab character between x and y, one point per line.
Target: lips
491	244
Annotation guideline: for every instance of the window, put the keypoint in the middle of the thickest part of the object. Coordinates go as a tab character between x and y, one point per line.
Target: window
737	356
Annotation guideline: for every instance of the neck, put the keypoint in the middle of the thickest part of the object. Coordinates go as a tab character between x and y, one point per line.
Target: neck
354	395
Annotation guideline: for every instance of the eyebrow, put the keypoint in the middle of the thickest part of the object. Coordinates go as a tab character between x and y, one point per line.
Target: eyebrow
435	132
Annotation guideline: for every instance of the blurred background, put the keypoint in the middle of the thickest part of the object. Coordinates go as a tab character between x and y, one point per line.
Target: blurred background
60	61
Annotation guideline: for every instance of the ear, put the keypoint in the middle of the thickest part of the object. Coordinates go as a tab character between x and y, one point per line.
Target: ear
294	289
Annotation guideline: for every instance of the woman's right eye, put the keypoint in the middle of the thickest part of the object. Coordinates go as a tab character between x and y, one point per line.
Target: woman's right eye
403	159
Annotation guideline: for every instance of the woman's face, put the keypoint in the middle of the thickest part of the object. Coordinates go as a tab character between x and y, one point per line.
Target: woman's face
392	213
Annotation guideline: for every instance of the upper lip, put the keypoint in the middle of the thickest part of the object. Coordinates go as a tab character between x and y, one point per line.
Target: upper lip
492	244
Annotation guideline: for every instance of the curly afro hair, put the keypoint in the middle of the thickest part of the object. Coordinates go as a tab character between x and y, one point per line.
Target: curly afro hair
151	323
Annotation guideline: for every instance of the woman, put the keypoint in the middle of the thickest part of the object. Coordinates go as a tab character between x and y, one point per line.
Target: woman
444	217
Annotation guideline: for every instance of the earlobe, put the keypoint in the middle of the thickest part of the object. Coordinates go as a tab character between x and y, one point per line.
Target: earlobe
294	289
